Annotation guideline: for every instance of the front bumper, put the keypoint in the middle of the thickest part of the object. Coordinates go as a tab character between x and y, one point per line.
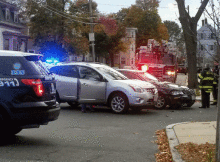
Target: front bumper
176	100
143	99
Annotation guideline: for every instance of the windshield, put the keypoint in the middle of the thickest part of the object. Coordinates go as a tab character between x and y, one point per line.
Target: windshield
41	67
168	59
111	73
139	75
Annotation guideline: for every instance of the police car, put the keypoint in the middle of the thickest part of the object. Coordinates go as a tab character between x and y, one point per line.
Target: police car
28	92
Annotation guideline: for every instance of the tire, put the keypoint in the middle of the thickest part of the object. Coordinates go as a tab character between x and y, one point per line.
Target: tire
6	129
176	106
119	103
161	102
190	104
73	104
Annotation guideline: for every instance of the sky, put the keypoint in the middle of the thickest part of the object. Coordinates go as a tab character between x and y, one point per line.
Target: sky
167	10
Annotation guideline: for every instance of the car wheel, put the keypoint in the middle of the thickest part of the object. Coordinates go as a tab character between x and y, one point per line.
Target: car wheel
161	103
190	104
73	104
176	106
119	103
7	130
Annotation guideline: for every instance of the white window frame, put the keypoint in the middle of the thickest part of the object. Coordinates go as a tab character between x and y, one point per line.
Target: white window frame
15	48
16	17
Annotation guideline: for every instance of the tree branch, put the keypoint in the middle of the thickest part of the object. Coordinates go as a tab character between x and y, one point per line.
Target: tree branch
201	9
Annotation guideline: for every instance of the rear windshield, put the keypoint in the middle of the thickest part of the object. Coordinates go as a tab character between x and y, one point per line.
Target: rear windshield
21	66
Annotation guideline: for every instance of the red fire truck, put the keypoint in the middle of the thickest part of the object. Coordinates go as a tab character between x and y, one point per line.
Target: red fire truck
157	60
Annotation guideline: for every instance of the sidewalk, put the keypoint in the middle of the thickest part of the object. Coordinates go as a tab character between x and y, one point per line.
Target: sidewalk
196	132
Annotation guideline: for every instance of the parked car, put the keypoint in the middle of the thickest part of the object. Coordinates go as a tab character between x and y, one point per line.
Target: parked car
182	69
28	93
170	94
95	83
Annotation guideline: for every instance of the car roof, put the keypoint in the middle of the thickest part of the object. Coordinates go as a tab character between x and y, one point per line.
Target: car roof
17	53
129	70
95	64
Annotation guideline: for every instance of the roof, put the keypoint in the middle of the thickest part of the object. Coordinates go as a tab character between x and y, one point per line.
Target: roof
81	63
16	53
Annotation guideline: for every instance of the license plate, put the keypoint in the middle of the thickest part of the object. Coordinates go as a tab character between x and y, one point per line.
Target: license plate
193	97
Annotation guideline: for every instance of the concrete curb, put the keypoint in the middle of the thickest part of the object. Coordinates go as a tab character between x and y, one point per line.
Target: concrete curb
173	141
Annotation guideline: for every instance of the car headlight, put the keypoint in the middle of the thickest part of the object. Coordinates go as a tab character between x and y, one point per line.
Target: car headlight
177	93
137	88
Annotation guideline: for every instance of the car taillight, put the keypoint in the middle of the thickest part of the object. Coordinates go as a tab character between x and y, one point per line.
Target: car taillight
36	84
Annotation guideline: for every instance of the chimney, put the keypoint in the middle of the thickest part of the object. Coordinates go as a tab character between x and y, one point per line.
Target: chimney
202	22
205	20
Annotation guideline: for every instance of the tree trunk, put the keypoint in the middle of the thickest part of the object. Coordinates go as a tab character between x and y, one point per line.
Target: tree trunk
189	26
112	59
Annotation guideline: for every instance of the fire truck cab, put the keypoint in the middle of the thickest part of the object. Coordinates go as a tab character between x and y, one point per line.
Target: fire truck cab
157	60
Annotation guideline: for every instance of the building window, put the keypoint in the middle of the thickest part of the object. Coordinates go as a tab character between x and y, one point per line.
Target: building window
211	47
201	47
202	36
212	35
15	17
7	16
31	51
15	45
6	45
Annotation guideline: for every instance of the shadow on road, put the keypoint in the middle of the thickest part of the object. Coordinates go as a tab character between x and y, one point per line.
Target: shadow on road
18	141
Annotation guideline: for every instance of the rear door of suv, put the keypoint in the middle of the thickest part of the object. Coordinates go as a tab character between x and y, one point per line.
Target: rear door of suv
66	77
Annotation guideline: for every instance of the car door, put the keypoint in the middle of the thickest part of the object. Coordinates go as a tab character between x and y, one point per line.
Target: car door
67	78
92	86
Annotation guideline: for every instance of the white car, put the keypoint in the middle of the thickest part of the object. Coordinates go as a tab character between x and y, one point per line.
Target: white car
95	83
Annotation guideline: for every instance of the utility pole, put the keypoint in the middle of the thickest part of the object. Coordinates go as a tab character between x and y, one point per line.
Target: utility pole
91	35
217	122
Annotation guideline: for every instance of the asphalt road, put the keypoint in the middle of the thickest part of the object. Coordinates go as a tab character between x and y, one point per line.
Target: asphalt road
100	136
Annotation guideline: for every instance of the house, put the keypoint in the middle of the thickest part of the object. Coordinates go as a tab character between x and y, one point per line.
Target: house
127	58
11	36
206	44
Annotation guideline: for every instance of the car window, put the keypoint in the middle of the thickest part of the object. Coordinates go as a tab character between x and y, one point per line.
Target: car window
21	66
111	73
88	73
68	71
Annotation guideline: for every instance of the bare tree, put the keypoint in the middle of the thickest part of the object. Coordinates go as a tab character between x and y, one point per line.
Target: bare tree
189	26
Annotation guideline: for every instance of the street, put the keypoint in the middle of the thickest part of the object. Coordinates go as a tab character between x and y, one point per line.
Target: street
98	136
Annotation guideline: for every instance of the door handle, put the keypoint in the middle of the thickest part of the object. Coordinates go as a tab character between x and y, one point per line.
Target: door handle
84	84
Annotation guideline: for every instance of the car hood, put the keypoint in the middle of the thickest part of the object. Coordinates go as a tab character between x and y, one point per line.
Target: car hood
139	83
169	86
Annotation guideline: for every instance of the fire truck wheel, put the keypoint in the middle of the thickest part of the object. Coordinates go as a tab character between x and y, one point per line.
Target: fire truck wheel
161	103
